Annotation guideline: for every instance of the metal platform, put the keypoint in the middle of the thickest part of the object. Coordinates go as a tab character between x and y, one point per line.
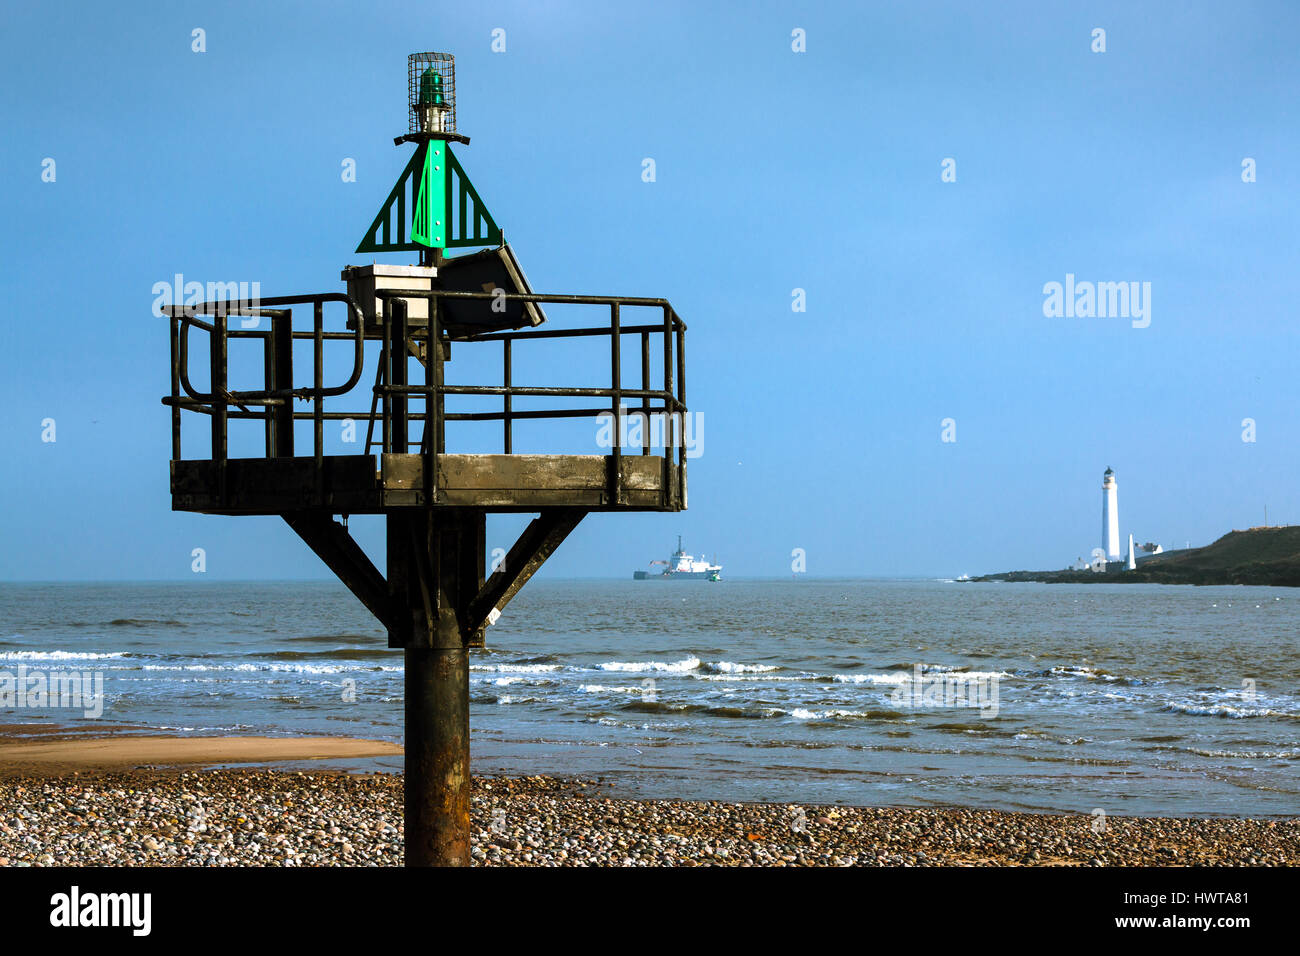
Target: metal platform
405	422
351	484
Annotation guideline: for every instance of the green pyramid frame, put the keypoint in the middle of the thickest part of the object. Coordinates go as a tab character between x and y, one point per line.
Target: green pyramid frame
467	220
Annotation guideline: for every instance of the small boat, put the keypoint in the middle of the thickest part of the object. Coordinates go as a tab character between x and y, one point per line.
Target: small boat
681	567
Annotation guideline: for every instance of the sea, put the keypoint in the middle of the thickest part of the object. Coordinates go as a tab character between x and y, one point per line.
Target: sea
1128	699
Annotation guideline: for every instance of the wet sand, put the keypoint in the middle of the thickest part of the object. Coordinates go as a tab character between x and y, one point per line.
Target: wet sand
53	753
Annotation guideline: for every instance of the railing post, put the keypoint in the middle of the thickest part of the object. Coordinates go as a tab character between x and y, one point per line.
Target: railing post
397	365
174	325
681	403
645	387
318	408
433	426
374	396
435	351
280	346
616	361
387	356
670	411
268	384
508	406
217	362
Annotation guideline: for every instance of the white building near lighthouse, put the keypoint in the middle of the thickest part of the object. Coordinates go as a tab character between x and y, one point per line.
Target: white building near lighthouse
1110	516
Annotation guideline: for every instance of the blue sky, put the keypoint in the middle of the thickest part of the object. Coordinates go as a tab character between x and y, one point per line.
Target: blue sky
775	170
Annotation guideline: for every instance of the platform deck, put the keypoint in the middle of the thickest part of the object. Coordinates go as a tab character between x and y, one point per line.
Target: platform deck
357	484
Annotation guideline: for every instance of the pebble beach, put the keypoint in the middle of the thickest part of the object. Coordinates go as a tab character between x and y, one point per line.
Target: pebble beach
288	818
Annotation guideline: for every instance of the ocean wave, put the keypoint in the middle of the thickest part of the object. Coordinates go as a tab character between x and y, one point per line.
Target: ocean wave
899	678
981	675
632	725
1054	738
271	668
511	680
1292	753
346	653
646	706
751	678
888	679
143	622
677	667
1233	711
727	667
516	668
958	727
803	713
232	728
60	656
1091	673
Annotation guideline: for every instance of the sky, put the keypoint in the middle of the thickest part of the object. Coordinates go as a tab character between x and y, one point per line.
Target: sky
777	169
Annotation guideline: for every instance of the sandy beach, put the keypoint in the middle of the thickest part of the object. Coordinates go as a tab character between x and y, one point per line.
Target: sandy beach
106	801
51	757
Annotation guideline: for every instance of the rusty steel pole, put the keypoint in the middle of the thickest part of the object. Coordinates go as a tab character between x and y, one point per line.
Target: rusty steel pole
445	568
437	755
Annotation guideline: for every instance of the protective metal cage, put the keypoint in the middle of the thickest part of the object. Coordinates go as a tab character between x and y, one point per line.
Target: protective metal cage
431	89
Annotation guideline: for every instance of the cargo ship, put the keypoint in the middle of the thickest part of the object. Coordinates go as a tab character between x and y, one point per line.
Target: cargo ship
681	567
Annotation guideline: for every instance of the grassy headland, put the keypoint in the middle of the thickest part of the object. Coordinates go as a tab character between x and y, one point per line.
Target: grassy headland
1263	556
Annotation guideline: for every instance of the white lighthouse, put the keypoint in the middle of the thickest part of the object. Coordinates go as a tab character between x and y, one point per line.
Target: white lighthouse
1110	516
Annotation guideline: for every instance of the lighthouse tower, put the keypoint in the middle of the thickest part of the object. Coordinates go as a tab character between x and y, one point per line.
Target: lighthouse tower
1110	516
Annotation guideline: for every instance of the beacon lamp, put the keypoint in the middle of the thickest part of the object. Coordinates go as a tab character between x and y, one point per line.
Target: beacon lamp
432	104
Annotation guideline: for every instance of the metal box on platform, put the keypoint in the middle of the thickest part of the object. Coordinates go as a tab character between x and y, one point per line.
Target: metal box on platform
364	281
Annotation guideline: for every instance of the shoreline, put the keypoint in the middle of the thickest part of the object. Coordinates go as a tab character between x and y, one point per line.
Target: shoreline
1125	577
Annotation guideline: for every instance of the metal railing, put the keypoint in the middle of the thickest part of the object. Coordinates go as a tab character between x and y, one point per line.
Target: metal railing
392	392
